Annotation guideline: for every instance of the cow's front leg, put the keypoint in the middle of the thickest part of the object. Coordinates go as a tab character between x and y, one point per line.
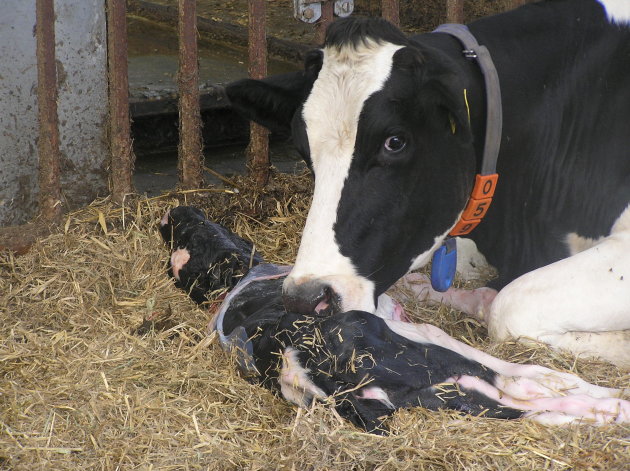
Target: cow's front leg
580	304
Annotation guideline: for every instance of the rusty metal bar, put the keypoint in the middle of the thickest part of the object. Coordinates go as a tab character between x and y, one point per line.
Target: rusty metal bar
517	3
454	11
48	143
258	149
122	156
190	162
390	11
324	21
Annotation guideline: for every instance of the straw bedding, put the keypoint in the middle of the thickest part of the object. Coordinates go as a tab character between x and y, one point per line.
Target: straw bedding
81	387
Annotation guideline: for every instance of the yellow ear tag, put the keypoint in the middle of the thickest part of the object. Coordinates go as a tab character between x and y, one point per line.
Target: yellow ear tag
467	106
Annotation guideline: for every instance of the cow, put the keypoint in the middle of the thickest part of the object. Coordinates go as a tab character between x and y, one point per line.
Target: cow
395	131
370	365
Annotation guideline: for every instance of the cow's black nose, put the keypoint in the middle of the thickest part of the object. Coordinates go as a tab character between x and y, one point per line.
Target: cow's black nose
310	297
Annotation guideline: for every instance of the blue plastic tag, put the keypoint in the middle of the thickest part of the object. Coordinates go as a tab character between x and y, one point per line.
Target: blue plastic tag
444	265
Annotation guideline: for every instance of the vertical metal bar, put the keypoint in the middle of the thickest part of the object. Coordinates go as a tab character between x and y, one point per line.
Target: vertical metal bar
190	162
258	148
390	11
454	11
48	143
122	157
324	21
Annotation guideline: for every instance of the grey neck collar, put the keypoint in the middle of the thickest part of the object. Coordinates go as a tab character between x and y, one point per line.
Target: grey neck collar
494	112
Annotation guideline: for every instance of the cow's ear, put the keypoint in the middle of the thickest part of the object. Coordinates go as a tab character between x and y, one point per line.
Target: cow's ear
440	88
273	101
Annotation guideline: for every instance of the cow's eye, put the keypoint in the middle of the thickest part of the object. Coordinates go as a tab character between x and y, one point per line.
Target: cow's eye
395	144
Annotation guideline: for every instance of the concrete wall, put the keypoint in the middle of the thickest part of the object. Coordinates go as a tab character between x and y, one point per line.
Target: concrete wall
81	53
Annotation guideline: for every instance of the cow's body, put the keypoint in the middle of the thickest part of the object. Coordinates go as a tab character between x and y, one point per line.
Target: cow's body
394	128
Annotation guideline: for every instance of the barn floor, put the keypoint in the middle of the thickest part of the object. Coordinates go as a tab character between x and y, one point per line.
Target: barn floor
83	388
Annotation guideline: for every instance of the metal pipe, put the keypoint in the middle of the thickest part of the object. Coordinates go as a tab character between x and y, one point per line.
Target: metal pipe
454	11
390	11
258	149
48	143
517	3
190	161
122	156
324	21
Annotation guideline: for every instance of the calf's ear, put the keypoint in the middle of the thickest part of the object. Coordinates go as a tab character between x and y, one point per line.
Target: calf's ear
274	100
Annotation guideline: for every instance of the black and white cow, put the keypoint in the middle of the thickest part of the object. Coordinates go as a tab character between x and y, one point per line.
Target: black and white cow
393	126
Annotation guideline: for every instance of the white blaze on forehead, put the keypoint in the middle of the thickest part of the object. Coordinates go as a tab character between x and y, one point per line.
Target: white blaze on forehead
618	11
349	75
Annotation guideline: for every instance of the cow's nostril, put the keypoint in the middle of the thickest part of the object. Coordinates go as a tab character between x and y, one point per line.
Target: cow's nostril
312	297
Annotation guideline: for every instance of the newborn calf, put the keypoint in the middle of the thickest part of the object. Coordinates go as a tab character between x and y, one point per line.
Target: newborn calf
370	365
204	256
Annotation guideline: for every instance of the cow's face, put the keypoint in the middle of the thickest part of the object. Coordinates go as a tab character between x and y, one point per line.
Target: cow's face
385	130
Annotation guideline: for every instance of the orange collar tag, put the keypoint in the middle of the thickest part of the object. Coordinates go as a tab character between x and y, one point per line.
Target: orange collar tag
478	204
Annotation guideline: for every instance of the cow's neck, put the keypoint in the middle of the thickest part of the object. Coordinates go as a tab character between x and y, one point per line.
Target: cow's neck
472	81
525	57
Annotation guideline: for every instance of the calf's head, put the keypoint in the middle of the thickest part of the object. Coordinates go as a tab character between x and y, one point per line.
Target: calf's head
382	123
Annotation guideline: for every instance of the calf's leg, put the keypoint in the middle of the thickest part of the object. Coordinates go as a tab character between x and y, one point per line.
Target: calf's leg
549	396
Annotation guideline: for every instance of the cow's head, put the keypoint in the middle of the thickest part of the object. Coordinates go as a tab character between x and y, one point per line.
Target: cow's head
383	124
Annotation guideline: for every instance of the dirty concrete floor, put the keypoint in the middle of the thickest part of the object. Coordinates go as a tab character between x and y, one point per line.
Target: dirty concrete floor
152	69
280	21
153	57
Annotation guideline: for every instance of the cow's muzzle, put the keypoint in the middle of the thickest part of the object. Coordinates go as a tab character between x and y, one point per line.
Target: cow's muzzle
312	297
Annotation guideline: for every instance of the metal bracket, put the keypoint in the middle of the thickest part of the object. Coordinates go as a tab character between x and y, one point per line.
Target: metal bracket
309	11
344	8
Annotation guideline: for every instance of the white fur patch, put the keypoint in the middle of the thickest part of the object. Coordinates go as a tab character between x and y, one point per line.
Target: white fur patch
164	220
295	385
349	75
577	244
618	11
471	264
376	394
179	258
389	308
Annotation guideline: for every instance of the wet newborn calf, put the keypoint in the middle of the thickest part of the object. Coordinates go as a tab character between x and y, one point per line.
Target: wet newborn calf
373	365
204	256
